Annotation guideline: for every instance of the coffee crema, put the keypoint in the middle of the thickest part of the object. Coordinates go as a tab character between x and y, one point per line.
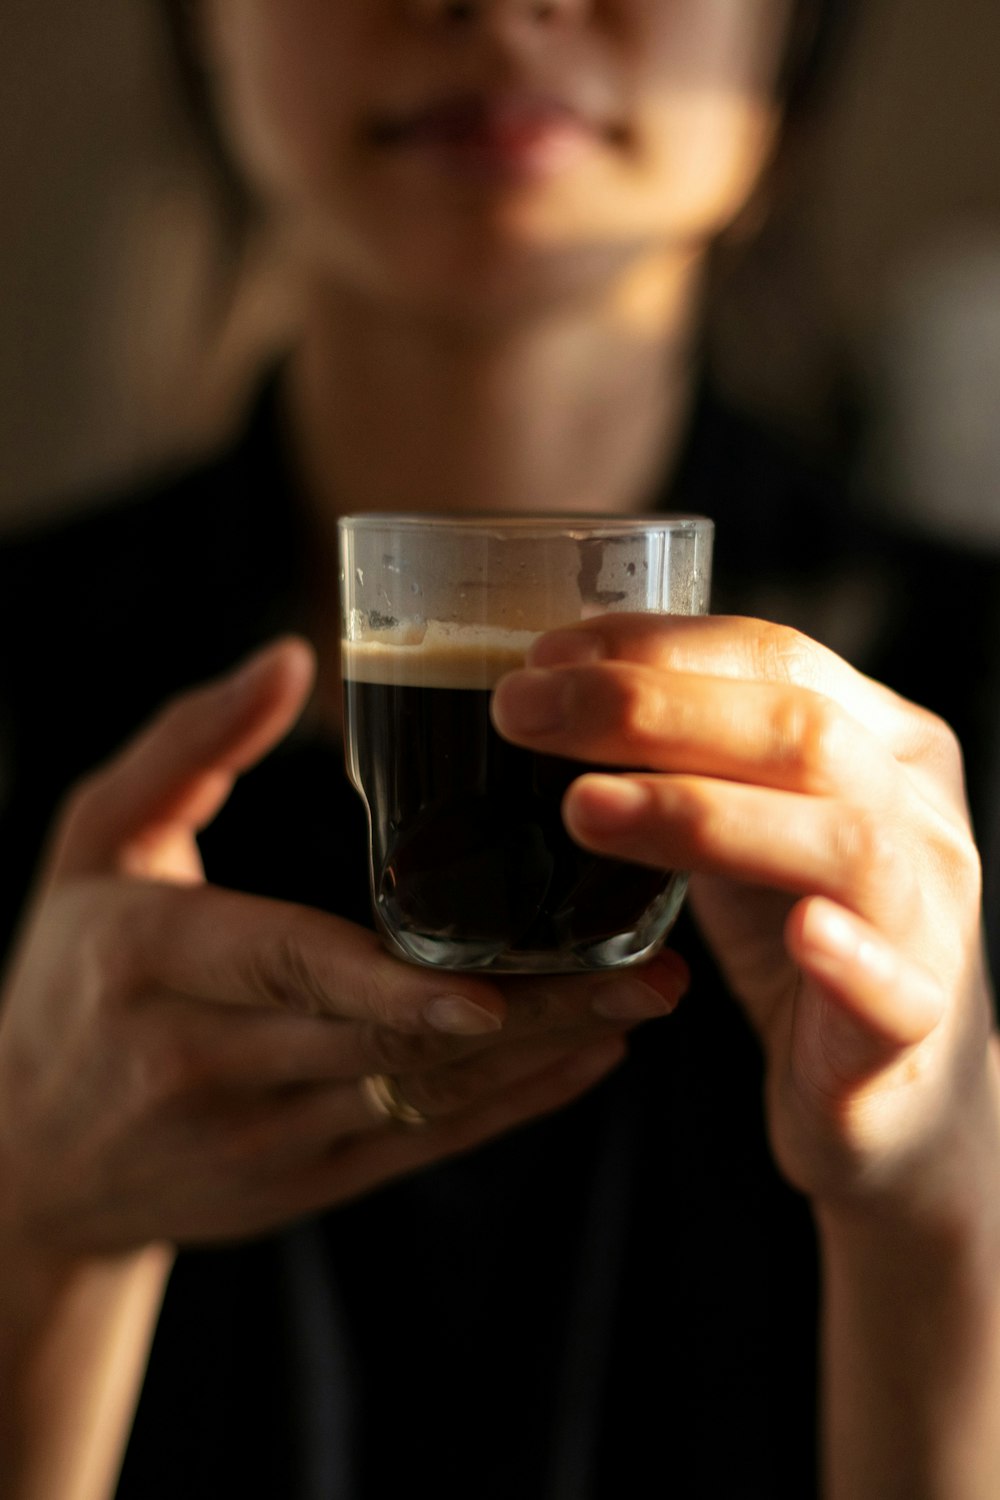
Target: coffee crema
436	655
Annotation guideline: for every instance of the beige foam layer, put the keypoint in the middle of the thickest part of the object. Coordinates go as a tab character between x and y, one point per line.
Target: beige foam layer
441	656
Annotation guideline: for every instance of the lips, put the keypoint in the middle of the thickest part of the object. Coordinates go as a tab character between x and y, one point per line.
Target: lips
519	136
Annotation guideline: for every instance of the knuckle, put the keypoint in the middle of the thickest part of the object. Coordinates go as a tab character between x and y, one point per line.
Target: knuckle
959	861
940	746
282	975
868	848
783	655
970	873
637	711
864	842
706	827
379	989
393	994
167	1070
807	738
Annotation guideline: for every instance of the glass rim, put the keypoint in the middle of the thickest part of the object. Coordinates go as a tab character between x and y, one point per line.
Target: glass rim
541	523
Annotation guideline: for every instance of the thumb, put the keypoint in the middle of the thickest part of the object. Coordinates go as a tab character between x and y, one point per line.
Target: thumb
140	811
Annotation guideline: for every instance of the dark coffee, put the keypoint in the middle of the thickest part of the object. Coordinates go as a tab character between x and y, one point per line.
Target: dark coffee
471	863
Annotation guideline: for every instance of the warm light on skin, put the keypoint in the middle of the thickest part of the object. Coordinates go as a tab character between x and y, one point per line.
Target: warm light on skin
517	341
684	91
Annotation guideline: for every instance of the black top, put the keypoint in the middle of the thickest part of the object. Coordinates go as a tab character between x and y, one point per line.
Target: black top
618	1299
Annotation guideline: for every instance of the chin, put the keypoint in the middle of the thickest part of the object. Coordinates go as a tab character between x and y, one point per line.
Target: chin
490	288
480	272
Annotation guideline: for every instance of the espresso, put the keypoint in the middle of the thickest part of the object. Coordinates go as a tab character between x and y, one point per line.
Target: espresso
471	863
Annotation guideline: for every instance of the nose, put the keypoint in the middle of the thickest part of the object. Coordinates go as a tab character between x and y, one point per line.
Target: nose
468	12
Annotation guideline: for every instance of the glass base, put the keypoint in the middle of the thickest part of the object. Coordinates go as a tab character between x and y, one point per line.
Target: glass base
619	951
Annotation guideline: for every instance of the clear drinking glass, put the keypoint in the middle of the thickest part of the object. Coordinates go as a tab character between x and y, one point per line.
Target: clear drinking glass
471	866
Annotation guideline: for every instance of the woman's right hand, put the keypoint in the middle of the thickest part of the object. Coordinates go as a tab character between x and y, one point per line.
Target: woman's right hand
180	1062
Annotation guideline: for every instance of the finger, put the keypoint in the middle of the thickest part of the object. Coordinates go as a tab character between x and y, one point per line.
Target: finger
198	1048
272	1049
210	944
797	844
636	716
553	1011
758	650
562	1008
309	1122
546	1002
868	1003
375	1157
465	1085
730	647
189	1048
175	775
544	1012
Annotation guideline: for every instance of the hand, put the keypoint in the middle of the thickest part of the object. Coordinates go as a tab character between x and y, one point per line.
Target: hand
180	1062
835	878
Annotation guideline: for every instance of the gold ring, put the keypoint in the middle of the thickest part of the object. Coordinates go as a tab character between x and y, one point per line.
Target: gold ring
381	1091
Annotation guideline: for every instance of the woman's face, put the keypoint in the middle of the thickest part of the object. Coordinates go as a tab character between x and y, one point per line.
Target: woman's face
483	152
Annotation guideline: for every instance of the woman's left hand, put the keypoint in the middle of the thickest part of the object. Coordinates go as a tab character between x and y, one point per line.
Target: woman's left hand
834	876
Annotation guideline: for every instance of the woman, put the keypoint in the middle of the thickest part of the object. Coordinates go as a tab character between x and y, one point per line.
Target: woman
499	213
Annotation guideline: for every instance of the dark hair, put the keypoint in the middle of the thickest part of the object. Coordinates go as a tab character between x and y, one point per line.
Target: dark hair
195	96
817	29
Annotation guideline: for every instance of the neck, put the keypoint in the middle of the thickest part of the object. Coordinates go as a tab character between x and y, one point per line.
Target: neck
580	409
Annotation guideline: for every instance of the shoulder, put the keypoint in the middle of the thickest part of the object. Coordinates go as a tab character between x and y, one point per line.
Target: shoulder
105	614
48	568
123	547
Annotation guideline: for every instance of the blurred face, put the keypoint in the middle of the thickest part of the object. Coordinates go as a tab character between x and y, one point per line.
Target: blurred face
483	153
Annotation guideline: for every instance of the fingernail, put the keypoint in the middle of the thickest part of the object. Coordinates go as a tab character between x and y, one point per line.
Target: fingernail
630	1000
835	939
879	960
236	682
459	1016
566	648
246	670
830	930
531	702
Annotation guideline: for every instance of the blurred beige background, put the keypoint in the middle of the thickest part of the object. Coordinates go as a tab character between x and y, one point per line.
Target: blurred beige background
124	342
